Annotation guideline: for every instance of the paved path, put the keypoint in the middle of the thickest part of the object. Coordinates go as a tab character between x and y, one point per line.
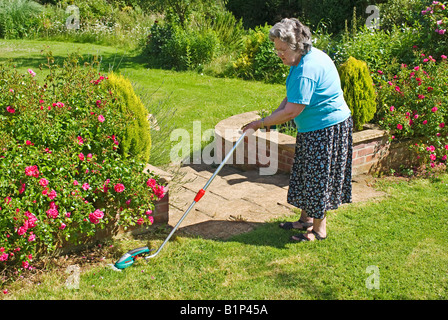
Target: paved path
236	201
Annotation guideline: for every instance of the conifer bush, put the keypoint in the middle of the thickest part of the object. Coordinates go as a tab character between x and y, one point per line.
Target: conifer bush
137	138
359	92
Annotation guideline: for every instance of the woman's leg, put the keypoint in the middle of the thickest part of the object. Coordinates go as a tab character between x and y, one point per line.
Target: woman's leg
305	219
319	227
299	224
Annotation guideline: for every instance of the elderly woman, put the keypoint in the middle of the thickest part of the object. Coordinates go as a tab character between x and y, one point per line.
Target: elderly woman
321	173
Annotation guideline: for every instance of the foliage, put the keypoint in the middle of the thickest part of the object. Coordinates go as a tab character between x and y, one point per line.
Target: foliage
170	46
258	12
18	17
380	49
181	11
358	90
400	13
100	21
412	104
62	176
435	28
258	60
137	138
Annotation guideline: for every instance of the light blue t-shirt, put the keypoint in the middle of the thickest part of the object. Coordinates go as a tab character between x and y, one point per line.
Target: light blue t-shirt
315	83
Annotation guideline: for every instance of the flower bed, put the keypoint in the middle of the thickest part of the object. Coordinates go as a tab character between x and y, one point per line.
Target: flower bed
65	177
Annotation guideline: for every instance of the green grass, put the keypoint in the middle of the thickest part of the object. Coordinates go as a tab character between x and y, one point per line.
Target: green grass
404	235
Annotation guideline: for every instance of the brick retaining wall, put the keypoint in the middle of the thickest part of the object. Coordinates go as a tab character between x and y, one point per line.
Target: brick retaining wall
372	151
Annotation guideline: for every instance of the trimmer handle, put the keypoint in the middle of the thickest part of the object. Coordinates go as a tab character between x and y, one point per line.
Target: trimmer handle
129	257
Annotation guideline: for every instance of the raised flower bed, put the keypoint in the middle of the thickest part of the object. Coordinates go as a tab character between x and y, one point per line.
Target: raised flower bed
372	151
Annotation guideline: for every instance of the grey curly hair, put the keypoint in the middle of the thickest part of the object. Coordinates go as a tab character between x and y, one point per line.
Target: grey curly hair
293	32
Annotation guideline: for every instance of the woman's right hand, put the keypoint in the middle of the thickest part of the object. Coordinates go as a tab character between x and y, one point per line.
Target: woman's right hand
254	125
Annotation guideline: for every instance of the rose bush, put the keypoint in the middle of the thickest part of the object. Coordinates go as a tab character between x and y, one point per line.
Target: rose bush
413	104
435	27
62	175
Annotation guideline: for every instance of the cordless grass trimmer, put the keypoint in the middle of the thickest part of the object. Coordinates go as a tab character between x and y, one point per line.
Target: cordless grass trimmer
130	257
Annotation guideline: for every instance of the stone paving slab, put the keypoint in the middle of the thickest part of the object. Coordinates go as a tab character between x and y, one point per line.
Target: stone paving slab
236	201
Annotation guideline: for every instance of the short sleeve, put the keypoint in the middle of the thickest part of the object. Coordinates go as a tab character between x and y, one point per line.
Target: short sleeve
300	90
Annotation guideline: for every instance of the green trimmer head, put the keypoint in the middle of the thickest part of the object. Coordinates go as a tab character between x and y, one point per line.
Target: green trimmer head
129	258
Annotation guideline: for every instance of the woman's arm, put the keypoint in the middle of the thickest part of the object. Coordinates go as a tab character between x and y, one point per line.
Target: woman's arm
285	112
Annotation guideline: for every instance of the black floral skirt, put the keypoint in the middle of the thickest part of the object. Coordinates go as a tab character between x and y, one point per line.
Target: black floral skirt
321	174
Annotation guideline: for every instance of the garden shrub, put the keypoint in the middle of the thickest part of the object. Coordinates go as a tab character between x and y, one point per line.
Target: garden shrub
258	60
413	105
380	49
359	92
18	18
170	46
63	178
137	138
435	28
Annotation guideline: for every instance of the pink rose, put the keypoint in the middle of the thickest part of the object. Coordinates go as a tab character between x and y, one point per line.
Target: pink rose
86	186
95	216
119	187
32	220
22	230
399	127
52	194
43	182
101	118
81	156
52	213
151	183
32	171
